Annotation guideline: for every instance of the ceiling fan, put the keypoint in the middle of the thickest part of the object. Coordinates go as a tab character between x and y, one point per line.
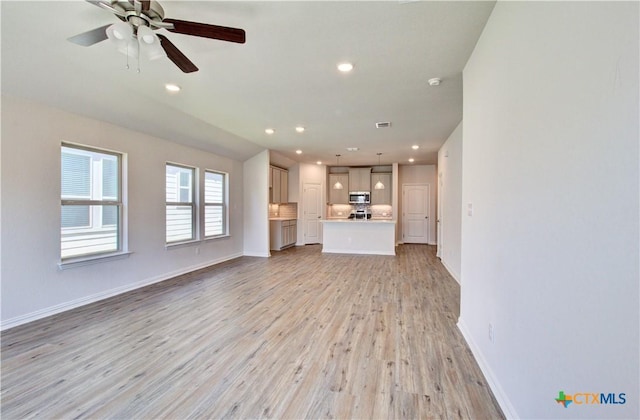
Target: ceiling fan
139	19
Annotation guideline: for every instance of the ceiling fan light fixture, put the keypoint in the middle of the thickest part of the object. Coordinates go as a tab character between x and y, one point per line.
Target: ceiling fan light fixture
150	43
121	34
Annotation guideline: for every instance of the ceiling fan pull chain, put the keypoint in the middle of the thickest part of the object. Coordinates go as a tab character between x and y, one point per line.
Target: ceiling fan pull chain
138	41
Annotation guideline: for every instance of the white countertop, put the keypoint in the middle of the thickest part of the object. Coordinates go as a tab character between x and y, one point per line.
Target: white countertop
282	218
358	221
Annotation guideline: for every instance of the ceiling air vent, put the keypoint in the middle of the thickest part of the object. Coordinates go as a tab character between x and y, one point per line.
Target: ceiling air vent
385	124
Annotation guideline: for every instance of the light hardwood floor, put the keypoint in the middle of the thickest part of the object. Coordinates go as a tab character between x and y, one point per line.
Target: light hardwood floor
298	335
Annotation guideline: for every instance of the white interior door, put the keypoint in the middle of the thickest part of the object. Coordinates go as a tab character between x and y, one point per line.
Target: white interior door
312	213
415	213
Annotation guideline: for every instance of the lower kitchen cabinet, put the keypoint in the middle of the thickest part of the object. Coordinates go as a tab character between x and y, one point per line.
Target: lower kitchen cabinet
284	233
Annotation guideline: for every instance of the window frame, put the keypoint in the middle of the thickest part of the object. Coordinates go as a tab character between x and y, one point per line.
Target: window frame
118	202
224	205
193	204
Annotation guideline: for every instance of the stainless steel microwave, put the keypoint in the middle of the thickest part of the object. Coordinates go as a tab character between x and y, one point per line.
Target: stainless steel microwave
359	197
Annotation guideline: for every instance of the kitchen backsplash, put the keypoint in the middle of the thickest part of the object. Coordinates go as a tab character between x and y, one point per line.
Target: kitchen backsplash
288	210
378	211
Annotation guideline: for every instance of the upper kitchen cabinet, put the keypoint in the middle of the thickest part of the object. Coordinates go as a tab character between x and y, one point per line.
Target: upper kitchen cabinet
359	179
381	196
338	195
278	185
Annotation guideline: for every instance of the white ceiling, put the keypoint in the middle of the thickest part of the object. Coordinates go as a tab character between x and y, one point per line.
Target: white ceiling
285	75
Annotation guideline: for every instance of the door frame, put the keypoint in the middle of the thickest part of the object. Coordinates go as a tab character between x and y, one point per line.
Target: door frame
428	209
304	211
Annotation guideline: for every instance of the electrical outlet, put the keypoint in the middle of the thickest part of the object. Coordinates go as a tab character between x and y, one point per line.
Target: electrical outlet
491	335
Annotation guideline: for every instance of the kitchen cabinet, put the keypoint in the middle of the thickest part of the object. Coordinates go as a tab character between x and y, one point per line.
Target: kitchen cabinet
359	179
278	185
381	196
283	233
339	196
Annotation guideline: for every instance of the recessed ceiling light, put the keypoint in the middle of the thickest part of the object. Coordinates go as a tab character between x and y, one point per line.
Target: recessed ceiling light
300	129
434	82
269	131
318	163
172	88
299	151
345	67
415	147
352	149
411	160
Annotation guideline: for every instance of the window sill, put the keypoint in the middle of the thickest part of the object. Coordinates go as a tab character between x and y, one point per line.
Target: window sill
82	261
194	241
213	238
181	244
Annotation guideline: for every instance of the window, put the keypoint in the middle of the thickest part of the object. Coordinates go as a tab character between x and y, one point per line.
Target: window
180	202
215	208
91	202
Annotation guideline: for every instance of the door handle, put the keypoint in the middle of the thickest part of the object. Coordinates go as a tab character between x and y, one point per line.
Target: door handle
426	217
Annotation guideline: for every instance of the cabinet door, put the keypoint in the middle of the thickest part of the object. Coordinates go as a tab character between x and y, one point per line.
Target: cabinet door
285	234
284	187
381	196
365	179
275	233
339	196
360	179
354	179
293	231
275	190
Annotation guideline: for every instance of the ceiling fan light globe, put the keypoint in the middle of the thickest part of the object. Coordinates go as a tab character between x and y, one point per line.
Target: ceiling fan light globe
150	43
119	32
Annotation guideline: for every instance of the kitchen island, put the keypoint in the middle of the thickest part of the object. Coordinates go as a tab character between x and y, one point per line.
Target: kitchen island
348	236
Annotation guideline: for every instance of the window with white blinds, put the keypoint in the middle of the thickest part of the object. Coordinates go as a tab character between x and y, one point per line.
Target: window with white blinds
180	203
215	206
91	202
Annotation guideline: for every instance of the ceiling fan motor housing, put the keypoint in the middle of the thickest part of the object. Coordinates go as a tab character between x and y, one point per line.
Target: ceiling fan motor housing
154	15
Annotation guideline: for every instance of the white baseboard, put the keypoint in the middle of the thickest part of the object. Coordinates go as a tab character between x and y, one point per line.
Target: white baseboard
453	274
76	303
505	404
257	254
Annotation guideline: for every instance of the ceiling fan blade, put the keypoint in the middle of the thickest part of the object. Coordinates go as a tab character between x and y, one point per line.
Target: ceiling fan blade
176	55
207	31
91	37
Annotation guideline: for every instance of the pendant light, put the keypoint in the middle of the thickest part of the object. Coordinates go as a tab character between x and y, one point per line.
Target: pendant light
337	185
379	185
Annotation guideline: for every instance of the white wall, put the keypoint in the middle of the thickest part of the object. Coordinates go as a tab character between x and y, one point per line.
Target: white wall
450	186
550	256
256	205
32	284
419	174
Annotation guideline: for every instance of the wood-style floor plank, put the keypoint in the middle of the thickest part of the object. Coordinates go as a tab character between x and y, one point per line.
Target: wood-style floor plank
298	335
